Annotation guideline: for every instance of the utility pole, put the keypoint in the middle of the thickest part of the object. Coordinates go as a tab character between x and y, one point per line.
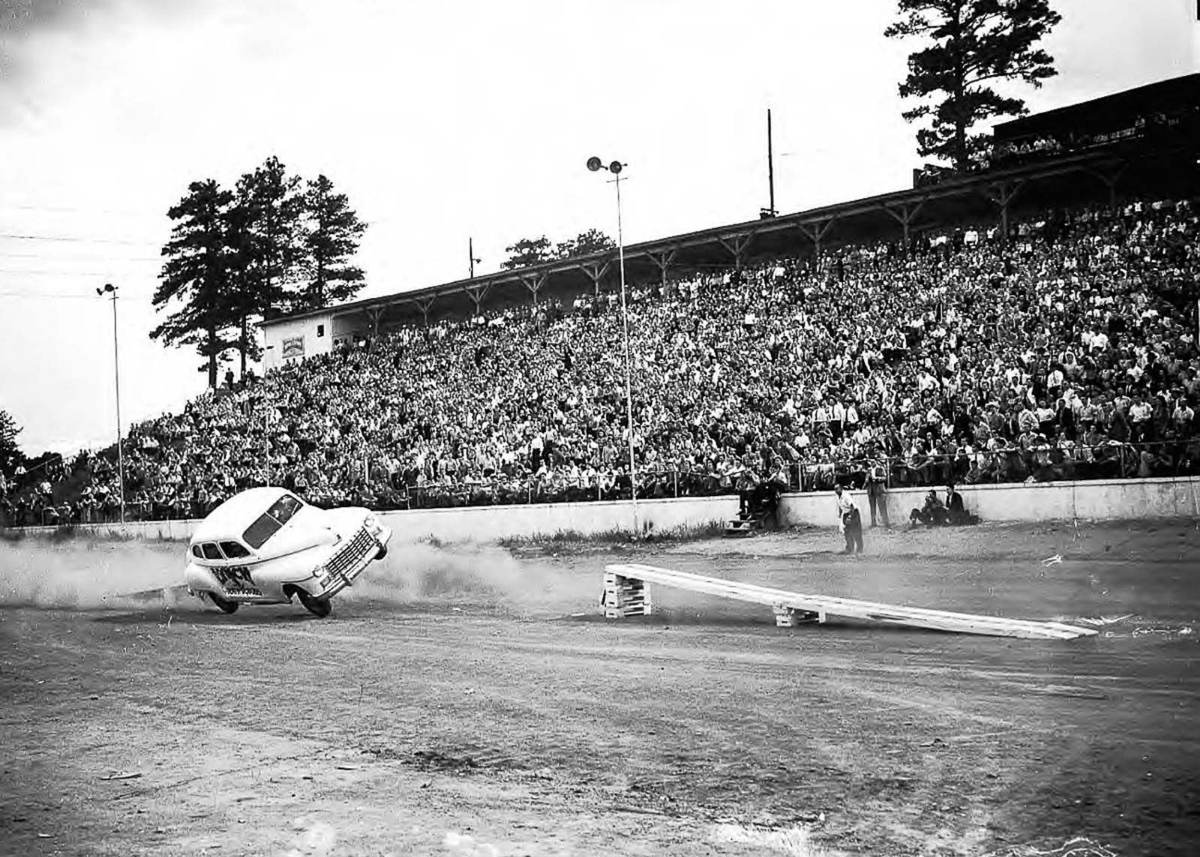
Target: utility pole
109	288
471	255
770	164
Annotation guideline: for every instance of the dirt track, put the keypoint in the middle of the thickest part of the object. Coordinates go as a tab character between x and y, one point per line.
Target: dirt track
454	705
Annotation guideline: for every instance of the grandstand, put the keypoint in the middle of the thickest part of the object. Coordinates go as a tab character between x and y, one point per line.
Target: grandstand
1032	321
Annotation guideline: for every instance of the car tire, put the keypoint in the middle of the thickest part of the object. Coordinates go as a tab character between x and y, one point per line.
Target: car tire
382	552
223	605
319	607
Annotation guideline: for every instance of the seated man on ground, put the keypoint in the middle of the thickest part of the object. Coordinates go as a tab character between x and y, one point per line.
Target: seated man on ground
957	512
932	514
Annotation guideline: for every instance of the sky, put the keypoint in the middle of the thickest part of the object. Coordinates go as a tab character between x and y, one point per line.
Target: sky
441	122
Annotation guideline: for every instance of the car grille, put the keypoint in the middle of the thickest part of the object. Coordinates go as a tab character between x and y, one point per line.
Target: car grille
349	556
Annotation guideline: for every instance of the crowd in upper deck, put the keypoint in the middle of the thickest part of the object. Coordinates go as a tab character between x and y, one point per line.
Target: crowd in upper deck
1067	351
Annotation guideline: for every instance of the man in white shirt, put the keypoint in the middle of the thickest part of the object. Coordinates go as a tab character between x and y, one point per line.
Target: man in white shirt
849	521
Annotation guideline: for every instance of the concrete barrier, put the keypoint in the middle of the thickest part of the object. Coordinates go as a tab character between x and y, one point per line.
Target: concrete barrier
1093	500
1129	499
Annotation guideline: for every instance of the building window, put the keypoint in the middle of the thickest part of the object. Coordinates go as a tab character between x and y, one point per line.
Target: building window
320	330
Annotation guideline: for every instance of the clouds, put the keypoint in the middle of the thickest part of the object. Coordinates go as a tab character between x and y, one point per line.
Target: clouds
37	34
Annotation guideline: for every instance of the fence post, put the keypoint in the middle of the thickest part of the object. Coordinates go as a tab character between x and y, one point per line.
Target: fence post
675	477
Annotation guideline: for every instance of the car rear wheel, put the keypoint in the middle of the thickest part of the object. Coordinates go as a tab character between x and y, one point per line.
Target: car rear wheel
223	605
319	607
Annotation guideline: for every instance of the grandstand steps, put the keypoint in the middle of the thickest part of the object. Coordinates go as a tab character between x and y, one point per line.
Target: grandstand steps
627	593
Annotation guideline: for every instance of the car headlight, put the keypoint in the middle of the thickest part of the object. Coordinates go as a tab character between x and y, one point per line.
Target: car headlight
318	571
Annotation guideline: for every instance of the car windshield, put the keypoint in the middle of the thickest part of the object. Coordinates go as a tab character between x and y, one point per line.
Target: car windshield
271	521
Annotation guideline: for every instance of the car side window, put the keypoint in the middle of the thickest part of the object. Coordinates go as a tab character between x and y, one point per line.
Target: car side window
233	550
210	551
196	552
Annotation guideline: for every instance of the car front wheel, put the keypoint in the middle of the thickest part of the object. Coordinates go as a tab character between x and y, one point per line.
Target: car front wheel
223	605
319	607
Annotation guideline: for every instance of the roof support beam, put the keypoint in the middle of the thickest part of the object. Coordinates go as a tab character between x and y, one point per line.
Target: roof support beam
820	228
477	294
904	213
374	313
594	270
424	305
736	245
1002	193
662	260
534	283
1110	179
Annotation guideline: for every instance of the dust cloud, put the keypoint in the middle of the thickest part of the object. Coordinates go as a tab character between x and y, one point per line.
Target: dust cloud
88	574
477	575
92	574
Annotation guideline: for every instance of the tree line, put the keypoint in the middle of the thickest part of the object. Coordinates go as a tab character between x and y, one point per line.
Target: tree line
534	251
274	243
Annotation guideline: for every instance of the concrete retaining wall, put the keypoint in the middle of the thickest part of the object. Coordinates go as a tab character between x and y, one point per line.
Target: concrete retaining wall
1093	500
1118	499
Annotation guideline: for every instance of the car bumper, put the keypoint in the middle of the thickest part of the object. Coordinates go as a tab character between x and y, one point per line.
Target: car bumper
335	581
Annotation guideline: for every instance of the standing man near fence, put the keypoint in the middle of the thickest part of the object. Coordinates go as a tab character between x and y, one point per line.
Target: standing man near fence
876	492
849	521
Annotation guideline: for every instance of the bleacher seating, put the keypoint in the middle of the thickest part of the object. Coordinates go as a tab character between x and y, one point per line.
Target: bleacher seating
1068	351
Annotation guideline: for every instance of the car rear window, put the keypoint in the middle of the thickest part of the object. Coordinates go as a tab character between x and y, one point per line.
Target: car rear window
233	550
271	521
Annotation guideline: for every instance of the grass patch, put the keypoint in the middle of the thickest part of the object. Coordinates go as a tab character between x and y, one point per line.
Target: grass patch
614	536
75	533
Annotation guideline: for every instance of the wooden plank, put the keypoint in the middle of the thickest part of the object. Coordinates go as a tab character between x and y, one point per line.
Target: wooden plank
920	617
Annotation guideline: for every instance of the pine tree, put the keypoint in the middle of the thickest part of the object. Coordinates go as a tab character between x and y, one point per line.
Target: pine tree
266	249
10	452
332	231
971	44
196	275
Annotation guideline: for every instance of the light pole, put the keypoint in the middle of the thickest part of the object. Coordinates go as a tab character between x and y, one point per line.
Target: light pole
109	288
471	256
594	164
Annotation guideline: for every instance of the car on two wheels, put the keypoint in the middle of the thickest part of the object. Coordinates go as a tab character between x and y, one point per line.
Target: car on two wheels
267	546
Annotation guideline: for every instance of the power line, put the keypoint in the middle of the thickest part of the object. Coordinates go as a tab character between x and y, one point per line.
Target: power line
51	272
46	296
66	209
84	258
67	238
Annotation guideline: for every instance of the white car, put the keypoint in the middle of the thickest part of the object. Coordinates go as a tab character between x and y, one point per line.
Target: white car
266	546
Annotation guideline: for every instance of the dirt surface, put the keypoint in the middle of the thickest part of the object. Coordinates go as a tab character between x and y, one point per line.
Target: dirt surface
456	704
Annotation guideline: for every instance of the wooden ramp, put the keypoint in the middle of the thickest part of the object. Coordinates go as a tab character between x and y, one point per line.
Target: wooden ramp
626	593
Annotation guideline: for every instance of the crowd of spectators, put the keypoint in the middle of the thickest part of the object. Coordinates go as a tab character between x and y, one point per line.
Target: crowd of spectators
990	154
1067	351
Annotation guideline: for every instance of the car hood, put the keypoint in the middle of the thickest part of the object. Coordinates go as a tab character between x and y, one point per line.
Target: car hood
308	528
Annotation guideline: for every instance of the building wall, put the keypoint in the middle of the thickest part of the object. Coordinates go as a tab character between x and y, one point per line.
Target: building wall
1100	500
288	340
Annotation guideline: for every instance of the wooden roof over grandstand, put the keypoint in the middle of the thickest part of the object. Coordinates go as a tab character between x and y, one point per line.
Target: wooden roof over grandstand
1108	112
976	198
